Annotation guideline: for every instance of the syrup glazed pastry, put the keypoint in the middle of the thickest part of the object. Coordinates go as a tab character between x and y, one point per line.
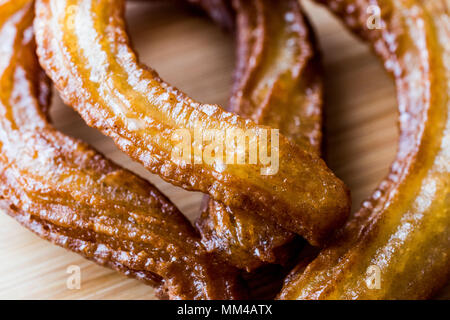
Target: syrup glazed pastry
403	231
277	83
85	50
67	193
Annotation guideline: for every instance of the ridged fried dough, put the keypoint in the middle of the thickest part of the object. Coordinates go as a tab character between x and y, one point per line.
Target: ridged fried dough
67	193
277	83
397	246
83	46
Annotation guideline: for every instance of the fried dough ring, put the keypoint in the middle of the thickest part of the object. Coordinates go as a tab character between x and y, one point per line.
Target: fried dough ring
403	230
67	193
83	46
277	83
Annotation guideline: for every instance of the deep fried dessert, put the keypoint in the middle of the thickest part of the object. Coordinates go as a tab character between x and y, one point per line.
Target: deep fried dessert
67	193
397	246
277	83
83	46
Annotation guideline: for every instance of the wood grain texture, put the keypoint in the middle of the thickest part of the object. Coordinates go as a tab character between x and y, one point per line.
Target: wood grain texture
193	54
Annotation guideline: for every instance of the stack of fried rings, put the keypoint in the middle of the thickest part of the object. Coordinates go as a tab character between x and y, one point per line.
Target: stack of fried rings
67	193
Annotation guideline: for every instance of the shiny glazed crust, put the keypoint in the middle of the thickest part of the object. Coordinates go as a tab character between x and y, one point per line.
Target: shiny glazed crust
84	48
67	193
403	230
277	83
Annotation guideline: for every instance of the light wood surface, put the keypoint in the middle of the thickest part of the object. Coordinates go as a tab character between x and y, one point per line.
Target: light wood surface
193	54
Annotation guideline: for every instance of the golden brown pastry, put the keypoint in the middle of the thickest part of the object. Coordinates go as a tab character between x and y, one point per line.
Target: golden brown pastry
277	83
85	50
397	246
69	194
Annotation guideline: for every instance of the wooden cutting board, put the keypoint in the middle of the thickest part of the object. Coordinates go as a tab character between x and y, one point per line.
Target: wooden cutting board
193	54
